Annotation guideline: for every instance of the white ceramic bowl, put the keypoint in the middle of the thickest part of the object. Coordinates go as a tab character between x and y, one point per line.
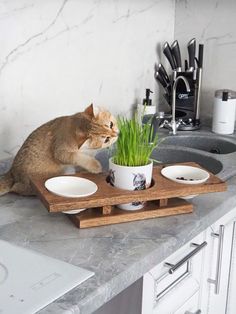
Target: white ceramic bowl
71	186
73	211
185	174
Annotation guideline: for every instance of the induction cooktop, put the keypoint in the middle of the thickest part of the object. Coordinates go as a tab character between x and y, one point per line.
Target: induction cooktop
29	281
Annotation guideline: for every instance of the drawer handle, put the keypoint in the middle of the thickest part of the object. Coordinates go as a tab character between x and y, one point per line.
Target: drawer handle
220	236
197	312
174	267
175	282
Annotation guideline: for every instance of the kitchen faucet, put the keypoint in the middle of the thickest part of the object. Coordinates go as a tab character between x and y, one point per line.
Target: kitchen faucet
159	119
173	124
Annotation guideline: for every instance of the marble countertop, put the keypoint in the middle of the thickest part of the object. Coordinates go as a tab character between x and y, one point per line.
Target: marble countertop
118	254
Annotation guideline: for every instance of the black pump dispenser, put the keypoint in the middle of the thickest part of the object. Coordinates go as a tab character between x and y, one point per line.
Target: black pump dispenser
225	95
147	101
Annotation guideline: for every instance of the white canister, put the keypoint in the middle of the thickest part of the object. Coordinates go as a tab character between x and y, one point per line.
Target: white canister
224	111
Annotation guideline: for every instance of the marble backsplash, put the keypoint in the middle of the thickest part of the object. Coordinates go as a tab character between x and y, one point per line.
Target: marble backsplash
58	56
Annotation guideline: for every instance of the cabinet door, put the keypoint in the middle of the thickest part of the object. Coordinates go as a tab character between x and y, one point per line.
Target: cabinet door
191	306
231	295
166	288
217	266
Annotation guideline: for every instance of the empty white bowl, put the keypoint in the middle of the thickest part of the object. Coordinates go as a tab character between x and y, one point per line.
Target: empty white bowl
71	186
185	174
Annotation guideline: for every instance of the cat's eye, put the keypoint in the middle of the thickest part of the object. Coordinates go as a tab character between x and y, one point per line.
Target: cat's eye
107	139
111	125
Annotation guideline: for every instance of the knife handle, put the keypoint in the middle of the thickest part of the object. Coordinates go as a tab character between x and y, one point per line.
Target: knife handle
163	73
191	53
163	82
185	65
176	55
159	78
200	55
167	52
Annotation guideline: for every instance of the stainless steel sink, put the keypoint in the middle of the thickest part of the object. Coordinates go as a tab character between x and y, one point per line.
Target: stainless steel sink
172	155
212	144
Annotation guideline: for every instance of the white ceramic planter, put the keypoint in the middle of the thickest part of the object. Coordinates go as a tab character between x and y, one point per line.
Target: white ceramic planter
130	178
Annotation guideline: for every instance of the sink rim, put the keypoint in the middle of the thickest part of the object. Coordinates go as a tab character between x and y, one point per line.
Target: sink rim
206	136
199	153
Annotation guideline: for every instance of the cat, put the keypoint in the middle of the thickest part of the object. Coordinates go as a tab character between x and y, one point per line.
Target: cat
64	141
139	183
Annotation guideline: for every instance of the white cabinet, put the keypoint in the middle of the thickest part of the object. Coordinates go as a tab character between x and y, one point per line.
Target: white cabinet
190	306
218	286
231	295
196	279
173	286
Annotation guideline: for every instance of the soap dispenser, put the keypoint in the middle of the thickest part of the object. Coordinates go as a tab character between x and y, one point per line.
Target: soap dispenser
146	110
147	100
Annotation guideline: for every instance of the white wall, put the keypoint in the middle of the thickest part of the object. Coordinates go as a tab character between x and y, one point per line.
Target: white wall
213	23
58	56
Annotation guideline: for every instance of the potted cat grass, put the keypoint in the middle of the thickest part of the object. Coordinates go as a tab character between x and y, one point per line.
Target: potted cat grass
130	168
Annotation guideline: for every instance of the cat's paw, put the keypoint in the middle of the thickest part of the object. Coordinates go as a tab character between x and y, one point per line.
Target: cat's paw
95	166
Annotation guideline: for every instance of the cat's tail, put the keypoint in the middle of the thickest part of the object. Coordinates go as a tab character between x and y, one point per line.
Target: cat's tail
6	182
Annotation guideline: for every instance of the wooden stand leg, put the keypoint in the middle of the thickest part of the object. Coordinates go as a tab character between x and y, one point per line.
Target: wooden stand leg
106	210
102	216
163	202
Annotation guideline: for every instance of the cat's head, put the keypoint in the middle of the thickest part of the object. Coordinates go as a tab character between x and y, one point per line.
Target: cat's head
103	130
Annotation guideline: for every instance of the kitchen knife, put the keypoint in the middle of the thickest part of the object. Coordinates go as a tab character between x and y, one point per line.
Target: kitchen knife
200	55
160	68
185	65
163	82
191	53
168	53
176	55
198	84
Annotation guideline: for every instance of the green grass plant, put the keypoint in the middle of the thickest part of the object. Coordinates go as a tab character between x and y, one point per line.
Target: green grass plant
133	147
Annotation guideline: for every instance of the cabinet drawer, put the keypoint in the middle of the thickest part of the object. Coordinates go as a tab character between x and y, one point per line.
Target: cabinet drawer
170	284
218	267
191	306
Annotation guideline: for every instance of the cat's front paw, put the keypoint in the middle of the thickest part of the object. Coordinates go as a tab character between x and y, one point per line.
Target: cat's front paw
95	166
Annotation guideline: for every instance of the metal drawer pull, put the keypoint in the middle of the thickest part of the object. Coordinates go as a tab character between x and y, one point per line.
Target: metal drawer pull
174	267
175	282
220	236
197	312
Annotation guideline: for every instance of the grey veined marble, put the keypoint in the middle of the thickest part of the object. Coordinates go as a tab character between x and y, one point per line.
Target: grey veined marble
118	254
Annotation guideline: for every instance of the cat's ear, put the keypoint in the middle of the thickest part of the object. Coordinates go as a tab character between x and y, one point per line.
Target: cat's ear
92	111
89	111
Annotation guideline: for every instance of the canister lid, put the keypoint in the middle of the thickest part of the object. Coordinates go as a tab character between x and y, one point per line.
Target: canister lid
219	93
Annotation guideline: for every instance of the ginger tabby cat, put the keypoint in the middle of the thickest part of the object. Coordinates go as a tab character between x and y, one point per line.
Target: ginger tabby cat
58	143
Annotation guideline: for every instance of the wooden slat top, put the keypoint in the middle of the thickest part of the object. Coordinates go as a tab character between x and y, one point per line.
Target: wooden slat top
161	188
